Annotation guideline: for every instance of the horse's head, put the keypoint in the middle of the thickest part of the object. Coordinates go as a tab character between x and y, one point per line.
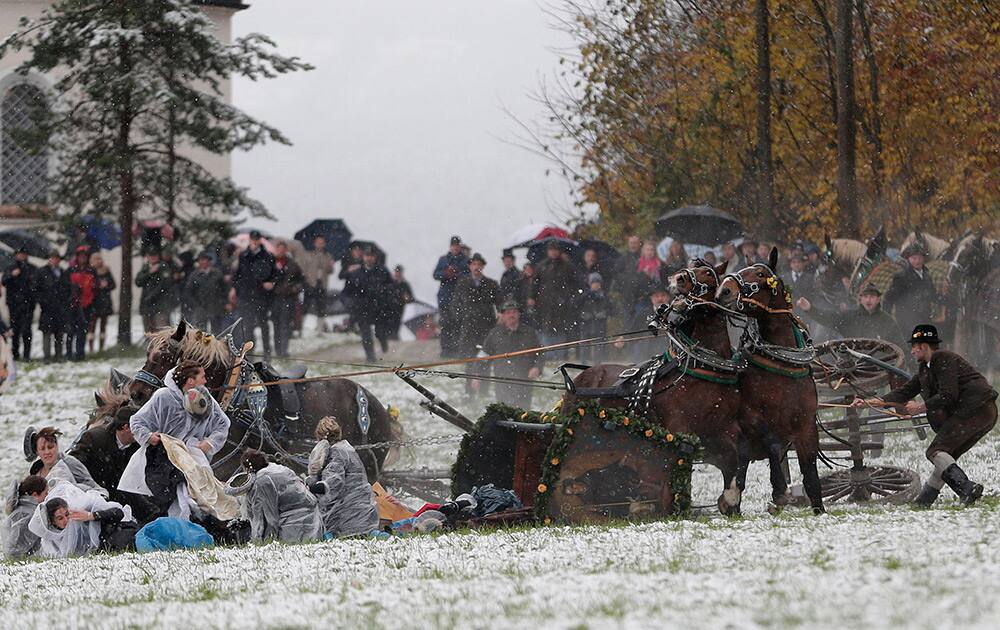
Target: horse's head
700	280
163	353
756	289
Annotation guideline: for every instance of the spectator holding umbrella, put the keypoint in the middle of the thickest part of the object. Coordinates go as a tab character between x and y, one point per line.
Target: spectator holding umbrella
156	279
252	284
102	308
317	265
84	289
18	279
449	269
287	287
53	291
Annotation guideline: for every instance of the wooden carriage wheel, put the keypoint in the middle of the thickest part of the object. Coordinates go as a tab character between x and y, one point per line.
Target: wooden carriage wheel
834	368
872	484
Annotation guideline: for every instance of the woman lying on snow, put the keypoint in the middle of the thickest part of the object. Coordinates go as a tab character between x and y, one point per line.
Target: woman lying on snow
53	463
336	474
182	409
71	522
278	504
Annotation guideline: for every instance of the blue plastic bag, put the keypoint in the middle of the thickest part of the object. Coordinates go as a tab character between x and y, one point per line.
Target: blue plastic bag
167	533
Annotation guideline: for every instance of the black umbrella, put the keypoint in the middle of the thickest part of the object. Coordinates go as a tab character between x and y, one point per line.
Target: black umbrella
336	233
606	252
35	244
699	224
537	249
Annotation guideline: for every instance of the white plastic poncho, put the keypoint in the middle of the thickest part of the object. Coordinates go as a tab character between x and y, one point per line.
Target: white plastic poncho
79	538
18	541
280	506
69	468
348	505
164	413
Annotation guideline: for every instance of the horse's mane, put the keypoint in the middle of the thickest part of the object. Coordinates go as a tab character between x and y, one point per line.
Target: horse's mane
847	252
112	399
196	345
936	246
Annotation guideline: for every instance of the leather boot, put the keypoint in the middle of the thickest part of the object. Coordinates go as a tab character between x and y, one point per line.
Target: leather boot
968	491
928	495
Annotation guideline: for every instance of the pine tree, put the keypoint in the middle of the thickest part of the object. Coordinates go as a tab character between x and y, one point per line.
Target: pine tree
140	85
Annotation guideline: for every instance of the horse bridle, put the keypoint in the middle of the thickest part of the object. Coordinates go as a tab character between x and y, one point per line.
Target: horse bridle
700	289
749	289
148	378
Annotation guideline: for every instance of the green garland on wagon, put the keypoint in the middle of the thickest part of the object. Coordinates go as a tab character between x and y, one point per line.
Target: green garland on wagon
682	447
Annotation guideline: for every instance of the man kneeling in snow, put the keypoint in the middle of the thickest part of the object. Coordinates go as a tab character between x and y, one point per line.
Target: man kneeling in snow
184	410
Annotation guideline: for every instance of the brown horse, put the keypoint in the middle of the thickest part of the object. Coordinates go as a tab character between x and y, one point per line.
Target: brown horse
694	400
290	438
777	392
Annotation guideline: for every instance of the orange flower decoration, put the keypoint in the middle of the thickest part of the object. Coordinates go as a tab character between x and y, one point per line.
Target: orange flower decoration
555	461
547	521
649	433
680	462
542	488
524	415
670	437
626	421
602	414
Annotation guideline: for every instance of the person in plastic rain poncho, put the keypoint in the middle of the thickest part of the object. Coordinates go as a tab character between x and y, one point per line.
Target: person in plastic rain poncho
336	474
278	504
182	409
53	463
21	501
71	522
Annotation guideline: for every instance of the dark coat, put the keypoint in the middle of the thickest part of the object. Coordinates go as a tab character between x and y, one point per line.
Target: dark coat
949	385
476	306
157	289
554	289
97	449
288	280
366	288
252	271
103	306
53	292
448	270
20	288
803	286
859	323
501	340
509	282
207	292
910	298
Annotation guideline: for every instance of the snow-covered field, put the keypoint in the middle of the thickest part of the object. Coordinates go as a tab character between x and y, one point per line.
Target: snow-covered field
869	567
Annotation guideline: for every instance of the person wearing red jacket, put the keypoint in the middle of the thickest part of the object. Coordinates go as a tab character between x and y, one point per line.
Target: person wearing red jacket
83	282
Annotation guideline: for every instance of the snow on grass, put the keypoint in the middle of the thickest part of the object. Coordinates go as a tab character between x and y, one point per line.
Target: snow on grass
858	567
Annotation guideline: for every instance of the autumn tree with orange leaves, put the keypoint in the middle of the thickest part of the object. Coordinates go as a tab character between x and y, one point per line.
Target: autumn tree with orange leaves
660	106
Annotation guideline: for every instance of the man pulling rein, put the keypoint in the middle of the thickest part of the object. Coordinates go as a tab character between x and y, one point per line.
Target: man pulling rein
960	405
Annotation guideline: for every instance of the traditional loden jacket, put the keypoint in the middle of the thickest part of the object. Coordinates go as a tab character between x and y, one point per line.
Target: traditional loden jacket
950	387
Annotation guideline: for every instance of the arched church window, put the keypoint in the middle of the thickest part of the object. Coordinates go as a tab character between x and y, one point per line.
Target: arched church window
23	172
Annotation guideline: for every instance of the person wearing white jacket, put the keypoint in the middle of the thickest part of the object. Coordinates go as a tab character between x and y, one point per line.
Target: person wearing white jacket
71	522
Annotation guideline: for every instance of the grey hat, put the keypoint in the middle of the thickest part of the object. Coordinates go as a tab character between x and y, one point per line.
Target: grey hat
509	304
594	277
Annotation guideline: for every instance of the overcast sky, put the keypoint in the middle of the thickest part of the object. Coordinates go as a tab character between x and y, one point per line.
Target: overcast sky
400	129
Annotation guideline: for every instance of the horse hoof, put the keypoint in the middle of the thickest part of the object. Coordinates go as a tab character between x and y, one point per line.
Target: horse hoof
775	509
728	510
818	511
782	500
